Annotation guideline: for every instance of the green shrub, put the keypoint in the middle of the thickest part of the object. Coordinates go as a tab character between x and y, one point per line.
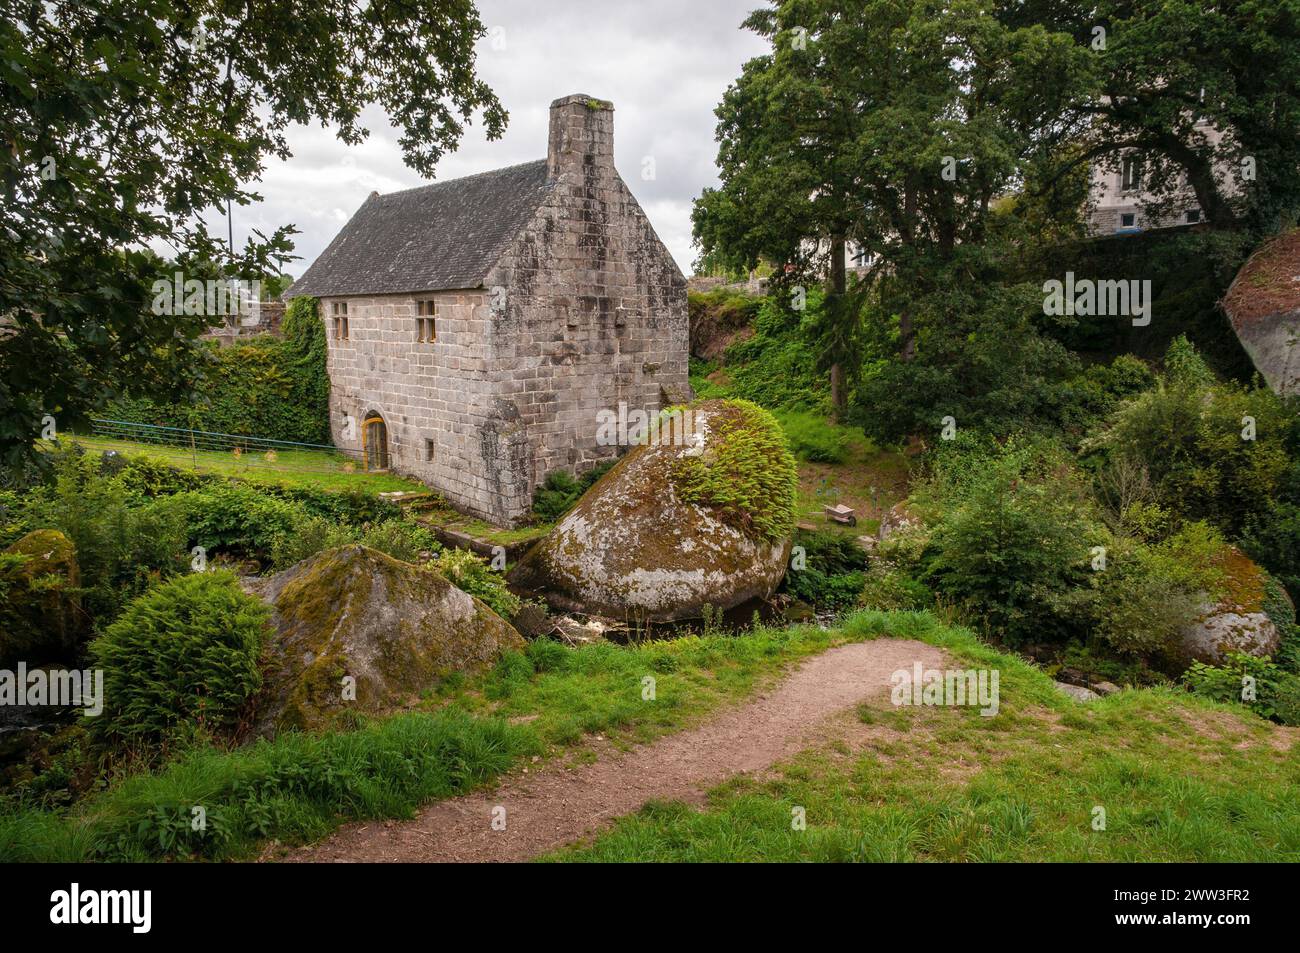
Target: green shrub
1012	547
825	591
120	547
472	574
1187	434
813	438
400	539
313	535
561	490
236	519
1272	539
1276	693
182	657
890	589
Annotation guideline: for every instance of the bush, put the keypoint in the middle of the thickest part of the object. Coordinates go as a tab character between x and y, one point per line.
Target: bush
314	535
1012	546
182	657
813	438
1188	436
120	548
889	589
472	574
1271	693
400	539
561	490
236	519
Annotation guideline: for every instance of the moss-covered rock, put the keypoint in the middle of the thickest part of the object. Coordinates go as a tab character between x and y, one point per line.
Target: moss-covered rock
1238	622
352	621
40	603
701	516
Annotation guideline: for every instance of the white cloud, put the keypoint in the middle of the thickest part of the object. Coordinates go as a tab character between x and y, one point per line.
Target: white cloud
664	65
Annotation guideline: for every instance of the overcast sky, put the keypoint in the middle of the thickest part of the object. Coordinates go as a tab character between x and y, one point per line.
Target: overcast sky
663	63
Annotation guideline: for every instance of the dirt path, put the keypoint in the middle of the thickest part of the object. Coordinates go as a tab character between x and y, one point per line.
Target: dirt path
559	805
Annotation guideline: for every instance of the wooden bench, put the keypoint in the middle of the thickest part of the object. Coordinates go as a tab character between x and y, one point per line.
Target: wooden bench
841	514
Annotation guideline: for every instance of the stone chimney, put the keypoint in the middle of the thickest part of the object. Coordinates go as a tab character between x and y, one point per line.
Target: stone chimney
582	137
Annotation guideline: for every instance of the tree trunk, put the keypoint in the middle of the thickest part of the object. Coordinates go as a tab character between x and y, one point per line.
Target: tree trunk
839	284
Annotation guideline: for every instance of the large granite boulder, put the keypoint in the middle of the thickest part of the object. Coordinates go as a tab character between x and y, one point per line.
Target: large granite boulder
1263	305
1238	622
41	619
357	630
700	514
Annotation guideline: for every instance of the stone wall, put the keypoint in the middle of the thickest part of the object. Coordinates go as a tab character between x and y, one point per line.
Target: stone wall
584	310
594	306
435	398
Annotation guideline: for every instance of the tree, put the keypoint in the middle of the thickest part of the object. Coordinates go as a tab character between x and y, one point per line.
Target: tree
892	124
1170	76
123	123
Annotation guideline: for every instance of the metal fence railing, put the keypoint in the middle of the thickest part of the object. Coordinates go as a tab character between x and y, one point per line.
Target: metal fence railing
206	446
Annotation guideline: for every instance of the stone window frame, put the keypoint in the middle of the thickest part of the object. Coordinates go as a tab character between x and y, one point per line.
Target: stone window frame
1130	173
339	313
430	449
1124	224
426	321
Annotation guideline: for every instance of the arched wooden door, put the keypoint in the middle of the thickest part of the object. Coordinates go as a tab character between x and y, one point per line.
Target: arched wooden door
374	435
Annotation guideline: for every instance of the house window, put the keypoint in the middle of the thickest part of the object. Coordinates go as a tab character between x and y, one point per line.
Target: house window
1130	176
426	331
428	449
1193	216
339	312
1128	220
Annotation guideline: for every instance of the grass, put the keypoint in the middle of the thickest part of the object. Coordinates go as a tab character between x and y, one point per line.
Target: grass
867	479
299	787
314	468
567	692
296	788
1179	779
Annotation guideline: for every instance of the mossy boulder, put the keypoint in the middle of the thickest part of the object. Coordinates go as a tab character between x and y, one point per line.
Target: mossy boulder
359	631
1238	621
40	604
700	514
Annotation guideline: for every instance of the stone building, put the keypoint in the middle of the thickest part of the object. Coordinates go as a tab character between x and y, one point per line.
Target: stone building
478	327
1119	201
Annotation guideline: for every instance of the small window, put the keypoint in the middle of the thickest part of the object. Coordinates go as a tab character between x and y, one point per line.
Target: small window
1131	174
428	449
1128	220
426	331
339	312
1193	216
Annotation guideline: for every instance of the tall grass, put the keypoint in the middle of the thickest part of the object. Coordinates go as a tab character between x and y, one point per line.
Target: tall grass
294	788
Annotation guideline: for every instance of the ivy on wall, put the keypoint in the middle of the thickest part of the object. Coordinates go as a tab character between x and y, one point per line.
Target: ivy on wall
272	387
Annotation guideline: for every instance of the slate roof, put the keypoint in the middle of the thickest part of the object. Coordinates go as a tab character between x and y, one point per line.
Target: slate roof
435	237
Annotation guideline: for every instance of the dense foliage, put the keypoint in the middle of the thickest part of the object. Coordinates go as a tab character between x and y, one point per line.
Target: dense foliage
126	124
276	388
182	658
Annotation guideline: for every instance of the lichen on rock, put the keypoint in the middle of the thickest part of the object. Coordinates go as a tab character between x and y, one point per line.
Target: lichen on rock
389	628
698	515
